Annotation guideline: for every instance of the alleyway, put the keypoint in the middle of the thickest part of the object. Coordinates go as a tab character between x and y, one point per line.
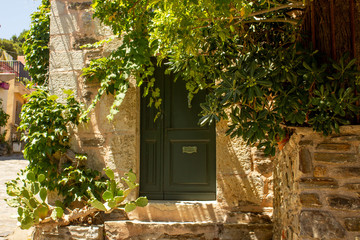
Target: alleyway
9	167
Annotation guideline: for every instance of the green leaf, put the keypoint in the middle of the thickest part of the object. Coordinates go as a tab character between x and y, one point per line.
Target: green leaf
20	211
13	202
42	211
130	184
41	178
57	213
130	207
131	176
98	205
30	176
119	199
109	173
107	195
33	202
141	202
26	222
43	194
68	92
12	191
111	204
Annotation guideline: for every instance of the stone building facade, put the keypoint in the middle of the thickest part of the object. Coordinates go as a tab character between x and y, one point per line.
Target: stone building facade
315	180
243	204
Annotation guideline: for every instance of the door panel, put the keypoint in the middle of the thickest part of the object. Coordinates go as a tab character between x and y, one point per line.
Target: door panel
177	155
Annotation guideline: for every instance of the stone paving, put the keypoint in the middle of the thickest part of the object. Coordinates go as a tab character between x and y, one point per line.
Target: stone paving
9	167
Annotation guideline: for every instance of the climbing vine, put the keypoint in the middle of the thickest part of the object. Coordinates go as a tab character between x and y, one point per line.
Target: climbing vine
53	167
36	46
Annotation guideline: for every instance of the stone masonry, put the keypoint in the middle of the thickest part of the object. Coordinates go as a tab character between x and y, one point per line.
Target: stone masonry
317	186
316	178
243	205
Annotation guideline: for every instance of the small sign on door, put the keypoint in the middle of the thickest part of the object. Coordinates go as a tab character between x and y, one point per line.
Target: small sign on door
189	149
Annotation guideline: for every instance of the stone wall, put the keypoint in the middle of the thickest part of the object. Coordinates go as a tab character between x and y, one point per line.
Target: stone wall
108	144
244	175
317	186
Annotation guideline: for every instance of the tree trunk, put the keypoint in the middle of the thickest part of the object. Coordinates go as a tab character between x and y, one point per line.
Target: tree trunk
332	27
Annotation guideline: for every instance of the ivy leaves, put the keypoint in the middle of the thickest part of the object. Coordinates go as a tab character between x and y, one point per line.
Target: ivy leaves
36	46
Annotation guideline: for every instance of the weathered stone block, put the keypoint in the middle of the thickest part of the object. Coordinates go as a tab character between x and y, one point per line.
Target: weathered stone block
320	171
305	161
347	172
245	232
67	61
310	200
93	142
265	167
316	182
116	215
94	232
347	137
159	230
58	8
186	231
352	224
306	143
79	5
62	80
320	225
334	146
60	43
352	186
64	24
82	40
335	157
343	202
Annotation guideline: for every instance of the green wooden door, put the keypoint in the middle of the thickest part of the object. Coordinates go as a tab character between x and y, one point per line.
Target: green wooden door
177	160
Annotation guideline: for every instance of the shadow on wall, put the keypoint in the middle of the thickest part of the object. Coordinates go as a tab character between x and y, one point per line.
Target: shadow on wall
244	175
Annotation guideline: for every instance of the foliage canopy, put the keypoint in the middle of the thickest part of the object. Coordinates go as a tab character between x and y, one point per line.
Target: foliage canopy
247	54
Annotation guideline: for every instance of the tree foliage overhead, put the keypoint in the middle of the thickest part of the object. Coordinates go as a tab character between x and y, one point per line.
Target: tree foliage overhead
36	46
247	54
14	45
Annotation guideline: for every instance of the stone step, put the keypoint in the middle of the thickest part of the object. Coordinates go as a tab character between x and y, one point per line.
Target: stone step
195	211
138	230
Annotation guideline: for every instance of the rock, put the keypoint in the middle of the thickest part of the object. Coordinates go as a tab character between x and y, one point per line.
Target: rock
265	167
352	186
347	172
93	232
320	171
352	224
93	142
306	143
335	157
317	182
310	200
320	225
80	5
343	202
334	146
305	161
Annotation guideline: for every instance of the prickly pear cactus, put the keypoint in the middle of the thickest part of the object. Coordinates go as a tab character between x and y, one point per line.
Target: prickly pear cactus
29	196
114	196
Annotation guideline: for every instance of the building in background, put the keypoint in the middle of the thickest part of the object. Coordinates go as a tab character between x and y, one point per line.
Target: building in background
13	79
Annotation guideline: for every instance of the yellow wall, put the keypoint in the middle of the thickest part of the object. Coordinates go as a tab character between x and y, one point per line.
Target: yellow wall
10	97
